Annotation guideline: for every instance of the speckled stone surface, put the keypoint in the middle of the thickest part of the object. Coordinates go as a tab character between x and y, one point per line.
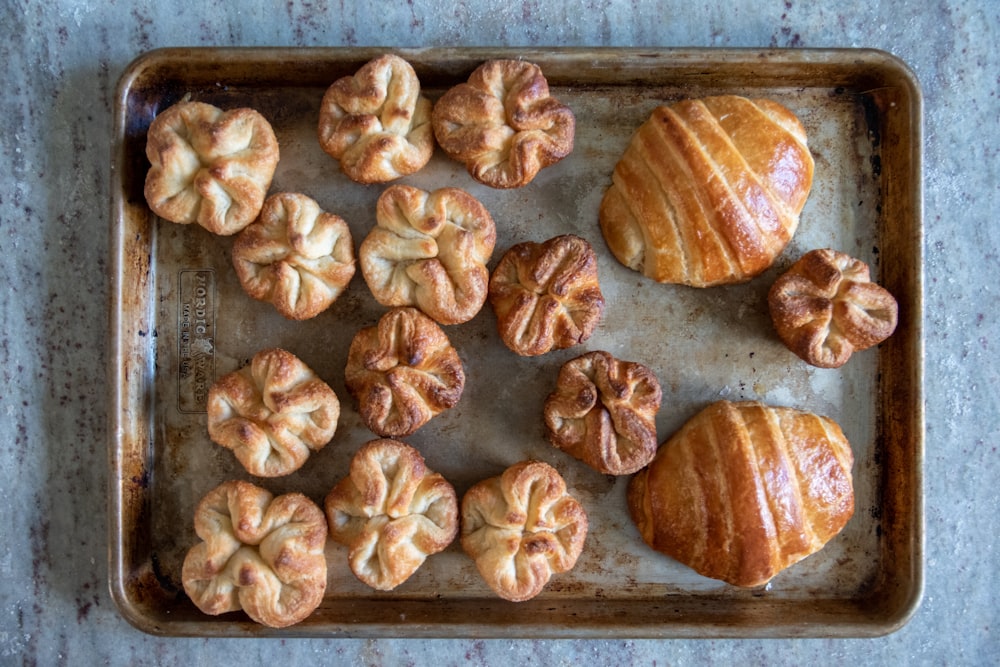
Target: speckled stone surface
61	60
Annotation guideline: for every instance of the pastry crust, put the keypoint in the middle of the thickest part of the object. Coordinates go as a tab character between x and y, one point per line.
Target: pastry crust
258	553
521	528
546	296
430	250
708	191
603	412
376	123
825	308
272	413
392	512
744	490
295	256
403	372
503	124
209	166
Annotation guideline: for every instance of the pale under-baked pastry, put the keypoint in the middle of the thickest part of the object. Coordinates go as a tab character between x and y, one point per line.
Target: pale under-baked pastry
709	191
825	307
376	123
272	413
403	372
503	124
259	553
209	166
295	255
546	296
603	412
744	490
521	528
392	512
430	250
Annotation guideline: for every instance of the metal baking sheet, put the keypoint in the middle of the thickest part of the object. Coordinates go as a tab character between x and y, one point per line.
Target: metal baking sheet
179	319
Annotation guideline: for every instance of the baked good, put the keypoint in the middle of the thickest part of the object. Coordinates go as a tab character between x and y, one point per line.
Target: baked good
744	490
272	413
429	250
295	256
708	191
259	553
209	166
376	123
825	307
546	296
392	512
603	412
503	124
403	372
522	527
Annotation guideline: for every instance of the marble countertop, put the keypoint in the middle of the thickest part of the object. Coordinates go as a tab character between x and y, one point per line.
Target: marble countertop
61	62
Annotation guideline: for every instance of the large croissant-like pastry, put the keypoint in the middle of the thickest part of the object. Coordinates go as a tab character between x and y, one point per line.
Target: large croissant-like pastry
744	490
708	191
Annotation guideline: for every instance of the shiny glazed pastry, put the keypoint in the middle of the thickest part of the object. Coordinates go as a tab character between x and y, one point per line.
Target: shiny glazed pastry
403	372
392	512
603	412
295	256
708	191
430	250
521	528
209	166
546	296
744	490
258	553
503	124
376	123
272	413
825	308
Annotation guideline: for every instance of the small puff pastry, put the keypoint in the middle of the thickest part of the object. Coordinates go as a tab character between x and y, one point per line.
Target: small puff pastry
825	308
403	372
430	250
392	512
272	413
603	412
708	191
258	553
744	490
546	295
503	124
376	123
209	166
295	256
521	528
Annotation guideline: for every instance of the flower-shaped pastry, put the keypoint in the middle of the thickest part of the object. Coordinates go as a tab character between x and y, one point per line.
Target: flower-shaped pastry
392	512
258	553
209	166
272	413
430	250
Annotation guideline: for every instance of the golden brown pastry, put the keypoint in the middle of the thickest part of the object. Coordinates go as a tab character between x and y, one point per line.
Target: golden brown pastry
295	256
403	372
503	124
392	512
376	123
546	296
521	528
708	191
272	413
430	250
258	553
825	308
744	490
209	166
603	412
